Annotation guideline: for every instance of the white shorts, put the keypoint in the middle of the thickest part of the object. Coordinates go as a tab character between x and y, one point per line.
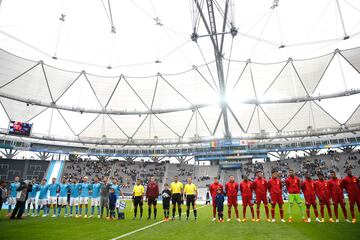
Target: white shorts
84	200
74	201
42	202
63	201
52	200
12	200
95	202
117	205
31	201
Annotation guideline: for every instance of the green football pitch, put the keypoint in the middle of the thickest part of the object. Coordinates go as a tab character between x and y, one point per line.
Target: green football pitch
204	229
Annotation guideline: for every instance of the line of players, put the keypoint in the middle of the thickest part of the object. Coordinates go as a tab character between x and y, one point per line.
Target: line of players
55	196
103	195
324	190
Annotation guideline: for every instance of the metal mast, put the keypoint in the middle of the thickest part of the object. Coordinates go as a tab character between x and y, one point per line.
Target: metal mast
210	25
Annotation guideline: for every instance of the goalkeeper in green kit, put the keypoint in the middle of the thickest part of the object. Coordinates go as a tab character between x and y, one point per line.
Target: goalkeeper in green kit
293	185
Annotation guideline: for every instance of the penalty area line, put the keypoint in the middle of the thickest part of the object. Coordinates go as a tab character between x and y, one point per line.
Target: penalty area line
146	227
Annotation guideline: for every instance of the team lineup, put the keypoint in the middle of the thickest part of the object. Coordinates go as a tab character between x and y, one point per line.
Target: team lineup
104	196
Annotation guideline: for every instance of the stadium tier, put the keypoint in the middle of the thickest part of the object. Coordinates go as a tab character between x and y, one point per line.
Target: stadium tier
208	111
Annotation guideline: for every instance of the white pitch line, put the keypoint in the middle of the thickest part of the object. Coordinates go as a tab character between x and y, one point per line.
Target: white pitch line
146	227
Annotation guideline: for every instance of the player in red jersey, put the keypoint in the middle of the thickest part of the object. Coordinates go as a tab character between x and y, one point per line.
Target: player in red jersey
246	188
337	195
275	189
352	187
213	190
293	185
260	188
308	188
232	189
323	193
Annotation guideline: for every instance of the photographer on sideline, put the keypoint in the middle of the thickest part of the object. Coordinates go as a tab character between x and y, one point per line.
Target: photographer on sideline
21	197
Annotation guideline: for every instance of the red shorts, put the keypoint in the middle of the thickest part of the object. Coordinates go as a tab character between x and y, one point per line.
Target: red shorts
261	198
276	198
232	201
247	201
324	200
310	200
338	200
354	199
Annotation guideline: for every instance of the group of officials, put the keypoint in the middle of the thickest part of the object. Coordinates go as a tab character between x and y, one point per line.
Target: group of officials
324	190
106	195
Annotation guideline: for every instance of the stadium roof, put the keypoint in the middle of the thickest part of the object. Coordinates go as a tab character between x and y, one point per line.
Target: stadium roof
129	70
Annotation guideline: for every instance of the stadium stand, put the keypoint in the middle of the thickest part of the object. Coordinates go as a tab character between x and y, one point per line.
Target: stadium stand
26	169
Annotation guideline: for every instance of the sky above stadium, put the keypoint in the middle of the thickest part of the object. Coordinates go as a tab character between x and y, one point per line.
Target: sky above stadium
141	38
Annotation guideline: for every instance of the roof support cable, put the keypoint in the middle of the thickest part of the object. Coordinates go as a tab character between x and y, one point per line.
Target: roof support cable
342	20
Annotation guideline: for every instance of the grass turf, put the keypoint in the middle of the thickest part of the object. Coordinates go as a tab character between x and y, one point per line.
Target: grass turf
203	228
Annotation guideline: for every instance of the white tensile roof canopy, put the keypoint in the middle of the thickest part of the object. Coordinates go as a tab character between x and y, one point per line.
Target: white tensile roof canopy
120	70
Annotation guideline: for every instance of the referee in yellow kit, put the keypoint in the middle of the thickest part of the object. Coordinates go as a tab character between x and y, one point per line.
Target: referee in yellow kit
190	192
176	189
138	195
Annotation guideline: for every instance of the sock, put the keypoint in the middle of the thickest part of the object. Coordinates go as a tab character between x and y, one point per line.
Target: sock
336	211
71	210
267	211
135	211
273	213
28	208
66	210
54	210
344	210
316	213
237	213
258	213
86	210
195	213
107	211
229	213
322	211
59	210
352	211
179	209
80	210
244	212
45	210
329	210
290	209
38	210
141	212
98	209
281	213
187	212
252	212
102	211
92	210
118	212
149	212
308	212
9	209
33	210
173	212
155	212
214	212
165	214
76	210
301	210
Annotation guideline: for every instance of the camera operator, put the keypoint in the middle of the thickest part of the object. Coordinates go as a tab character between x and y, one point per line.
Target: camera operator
21	197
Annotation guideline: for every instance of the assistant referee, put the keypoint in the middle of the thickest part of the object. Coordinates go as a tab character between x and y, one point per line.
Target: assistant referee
190	192
176	189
